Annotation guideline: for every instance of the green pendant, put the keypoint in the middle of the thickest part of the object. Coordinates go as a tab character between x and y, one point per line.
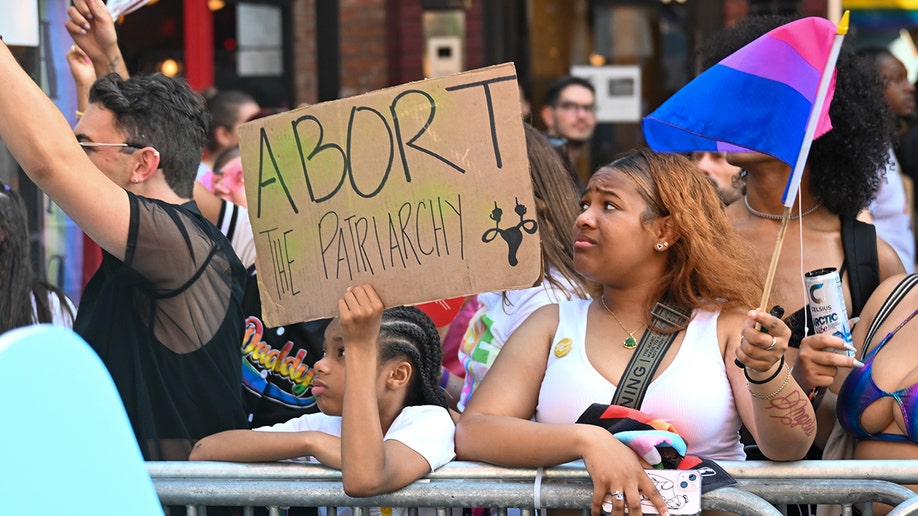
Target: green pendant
630	343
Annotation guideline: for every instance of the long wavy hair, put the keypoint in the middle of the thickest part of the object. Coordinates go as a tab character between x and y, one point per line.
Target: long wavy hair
556	200
707	265
18	282
846	164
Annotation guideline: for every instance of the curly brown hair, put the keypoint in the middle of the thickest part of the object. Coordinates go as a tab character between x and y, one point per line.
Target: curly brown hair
847	163
707	264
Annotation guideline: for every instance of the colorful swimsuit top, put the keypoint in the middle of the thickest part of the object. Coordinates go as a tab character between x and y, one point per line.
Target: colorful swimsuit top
859	391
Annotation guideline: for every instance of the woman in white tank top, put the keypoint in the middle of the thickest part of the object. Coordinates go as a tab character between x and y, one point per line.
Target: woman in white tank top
651	227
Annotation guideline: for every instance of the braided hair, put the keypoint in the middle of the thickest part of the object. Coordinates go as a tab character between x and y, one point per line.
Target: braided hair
408	332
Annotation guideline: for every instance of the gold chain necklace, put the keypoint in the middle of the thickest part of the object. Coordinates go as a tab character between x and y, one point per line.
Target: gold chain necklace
630	342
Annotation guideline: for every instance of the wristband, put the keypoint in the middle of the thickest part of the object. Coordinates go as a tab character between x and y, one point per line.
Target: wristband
770	378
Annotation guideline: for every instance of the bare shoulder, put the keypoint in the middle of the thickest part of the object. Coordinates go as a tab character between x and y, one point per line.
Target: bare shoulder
731	319
511	386
879	295
890	263
547	314
530	342
877	298
536	329
730	327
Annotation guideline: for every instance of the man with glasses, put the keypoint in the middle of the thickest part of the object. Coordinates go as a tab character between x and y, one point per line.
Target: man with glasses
164	310
273	390
569	115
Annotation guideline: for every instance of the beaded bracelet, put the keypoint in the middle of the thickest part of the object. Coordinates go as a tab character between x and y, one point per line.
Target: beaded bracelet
772	395
770	378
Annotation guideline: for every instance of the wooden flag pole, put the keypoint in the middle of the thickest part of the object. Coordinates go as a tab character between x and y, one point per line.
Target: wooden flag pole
773	266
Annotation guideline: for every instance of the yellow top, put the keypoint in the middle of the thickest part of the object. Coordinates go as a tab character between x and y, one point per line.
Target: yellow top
881	4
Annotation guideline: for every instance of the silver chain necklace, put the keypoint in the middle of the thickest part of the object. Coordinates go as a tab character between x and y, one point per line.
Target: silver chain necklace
769	216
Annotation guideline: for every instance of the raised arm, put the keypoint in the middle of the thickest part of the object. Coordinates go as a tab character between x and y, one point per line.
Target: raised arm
93	30
40	139
83	76
774	408
496	426
369	465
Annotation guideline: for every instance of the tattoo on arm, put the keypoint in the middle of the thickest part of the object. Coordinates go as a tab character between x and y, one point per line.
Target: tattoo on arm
792	412
113	65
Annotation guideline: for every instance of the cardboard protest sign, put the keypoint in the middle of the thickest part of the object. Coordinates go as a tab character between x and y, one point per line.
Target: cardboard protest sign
421	190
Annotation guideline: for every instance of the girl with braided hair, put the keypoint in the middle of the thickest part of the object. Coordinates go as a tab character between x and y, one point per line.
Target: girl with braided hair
384	421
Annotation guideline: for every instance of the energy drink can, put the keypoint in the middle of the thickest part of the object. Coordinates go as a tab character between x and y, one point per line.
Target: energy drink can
827	304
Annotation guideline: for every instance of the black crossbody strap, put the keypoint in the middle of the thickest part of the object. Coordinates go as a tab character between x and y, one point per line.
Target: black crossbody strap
892	300
649	353
859	242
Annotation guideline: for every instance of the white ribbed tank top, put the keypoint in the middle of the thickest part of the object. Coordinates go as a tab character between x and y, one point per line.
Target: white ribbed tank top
693	393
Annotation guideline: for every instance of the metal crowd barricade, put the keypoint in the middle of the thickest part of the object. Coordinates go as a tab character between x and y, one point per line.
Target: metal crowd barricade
763	488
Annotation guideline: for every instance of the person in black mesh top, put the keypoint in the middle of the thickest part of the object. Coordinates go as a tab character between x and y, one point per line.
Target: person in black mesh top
164	310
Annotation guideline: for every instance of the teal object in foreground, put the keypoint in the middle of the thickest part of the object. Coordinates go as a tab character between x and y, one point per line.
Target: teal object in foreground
66	445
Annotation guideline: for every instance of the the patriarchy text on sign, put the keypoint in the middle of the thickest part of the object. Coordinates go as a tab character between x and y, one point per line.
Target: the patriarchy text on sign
421	190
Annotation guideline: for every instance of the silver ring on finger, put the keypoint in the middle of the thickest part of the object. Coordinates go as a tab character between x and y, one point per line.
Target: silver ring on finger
607	501
774	341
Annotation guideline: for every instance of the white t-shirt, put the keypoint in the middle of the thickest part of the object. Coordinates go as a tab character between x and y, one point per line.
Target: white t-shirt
426	429
234	222
496	320
892	216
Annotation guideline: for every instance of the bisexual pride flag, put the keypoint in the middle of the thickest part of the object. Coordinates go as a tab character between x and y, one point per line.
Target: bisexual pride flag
757	99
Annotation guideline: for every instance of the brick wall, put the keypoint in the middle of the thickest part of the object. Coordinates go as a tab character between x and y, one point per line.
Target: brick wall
474	35
381	44
304	52
364	64
405	41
